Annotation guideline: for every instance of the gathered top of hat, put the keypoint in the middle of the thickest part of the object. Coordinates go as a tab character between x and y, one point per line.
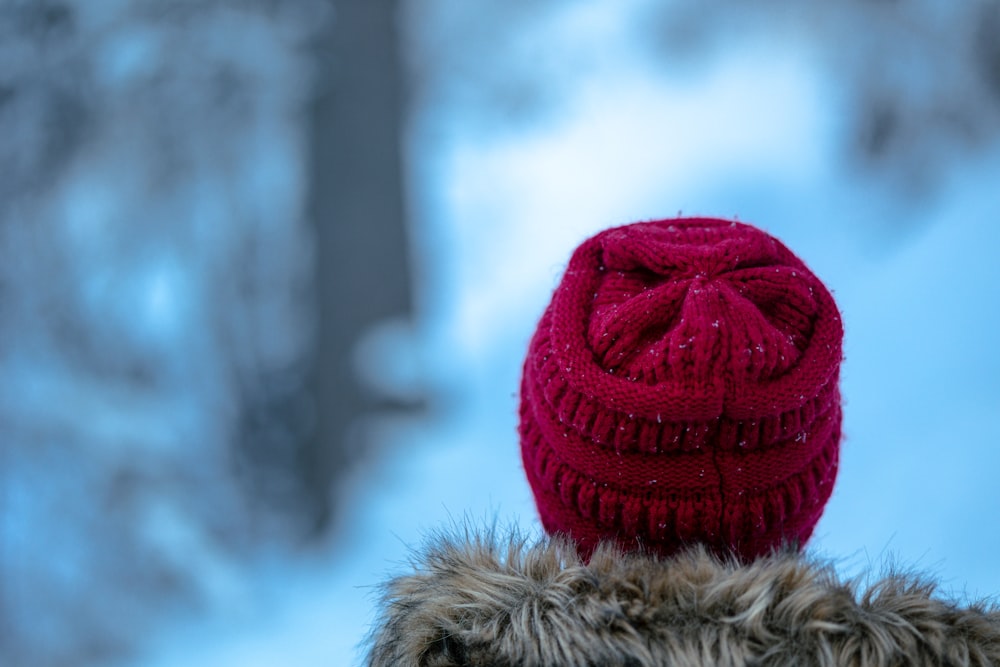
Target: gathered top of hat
683	387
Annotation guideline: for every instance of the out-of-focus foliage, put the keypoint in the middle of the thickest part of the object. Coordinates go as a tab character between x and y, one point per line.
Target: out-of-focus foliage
916	81
157	270
155	295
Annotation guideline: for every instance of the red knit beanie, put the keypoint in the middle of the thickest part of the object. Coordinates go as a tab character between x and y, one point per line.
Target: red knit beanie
682	387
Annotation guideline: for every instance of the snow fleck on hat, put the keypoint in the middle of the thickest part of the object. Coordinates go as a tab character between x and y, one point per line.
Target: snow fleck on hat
681	387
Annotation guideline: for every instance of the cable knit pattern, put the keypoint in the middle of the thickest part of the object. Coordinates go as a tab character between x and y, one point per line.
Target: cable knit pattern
682	386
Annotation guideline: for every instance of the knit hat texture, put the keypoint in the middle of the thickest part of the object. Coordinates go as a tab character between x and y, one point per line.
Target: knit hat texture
682	387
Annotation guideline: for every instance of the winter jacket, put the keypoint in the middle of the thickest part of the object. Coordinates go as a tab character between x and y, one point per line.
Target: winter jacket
500	603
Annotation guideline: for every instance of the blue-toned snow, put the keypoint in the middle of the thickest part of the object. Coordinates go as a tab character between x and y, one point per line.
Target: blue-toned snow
754	135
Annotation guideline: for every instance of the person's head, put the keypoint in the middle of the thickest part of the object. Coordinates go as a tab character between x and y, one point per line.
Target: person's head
683	387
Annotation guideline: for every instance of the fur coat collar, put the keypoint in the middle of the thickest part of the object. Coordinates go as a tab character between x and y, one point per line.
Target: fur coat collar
485	602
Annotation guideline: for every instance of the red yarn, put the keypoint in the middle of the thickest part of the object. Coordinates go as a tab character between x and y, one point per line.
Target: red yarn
682	386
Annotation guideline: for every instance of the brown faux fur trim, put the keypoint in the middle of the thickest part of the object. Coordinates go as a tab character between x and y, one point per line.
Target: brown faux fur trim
498	603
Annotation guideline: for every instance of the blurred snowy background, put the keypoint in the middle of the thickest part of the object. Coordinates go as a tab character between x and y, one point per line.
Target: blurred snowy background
268	269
